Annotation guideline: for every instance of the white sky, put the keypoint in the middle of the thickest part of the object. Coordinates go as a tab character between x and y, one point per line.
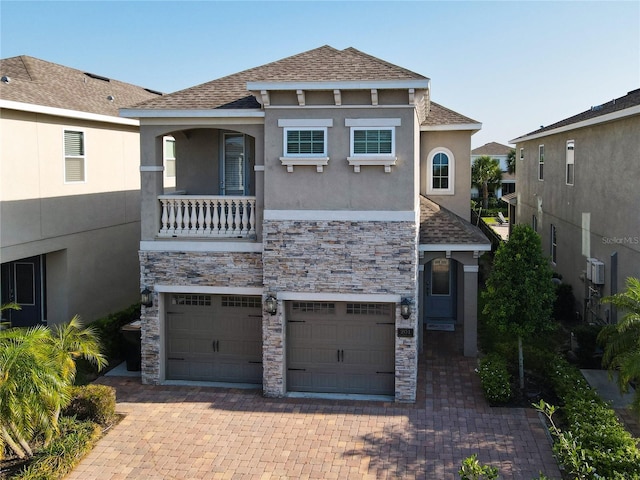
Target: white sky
511	65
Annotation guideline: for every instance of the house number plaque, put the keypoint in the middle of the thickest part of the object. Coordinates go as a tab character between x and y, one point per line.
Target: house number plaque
405	333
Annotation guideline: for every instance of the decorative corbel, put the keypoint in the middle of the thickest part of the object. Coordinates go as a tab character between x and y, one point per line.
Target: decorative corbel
300	94
374	96
337	97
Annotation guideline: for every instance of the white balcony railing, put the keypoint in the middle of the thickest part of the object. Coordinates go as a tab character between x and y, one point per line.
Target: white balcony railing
207	216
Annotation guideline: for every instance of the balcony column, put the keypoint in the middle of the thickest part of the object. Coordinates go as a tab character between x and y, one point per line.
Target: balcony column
151	182
470	310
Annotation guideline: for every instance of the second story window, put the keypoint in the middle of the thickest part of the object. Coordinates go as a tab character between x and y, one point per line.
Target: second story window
553	244
570	162
372	141
441	170
534	223
522	154
541	162
169	157
74	156
305	142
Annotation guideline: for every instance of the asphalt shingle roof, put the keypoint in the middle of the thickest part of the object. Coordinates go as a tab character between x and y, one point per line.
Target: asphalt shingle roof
492	148
439	115
38	82
631	99
439	226
321	64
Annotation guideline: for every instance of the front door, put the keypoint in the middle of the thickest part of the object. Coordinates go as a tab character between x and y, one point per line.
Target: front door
440	290
22	283
233	175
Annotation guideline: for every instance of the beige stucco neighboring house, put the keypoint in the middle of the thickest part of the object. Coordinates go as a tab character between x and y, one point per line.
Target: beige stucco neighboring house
578	185
319	223
69	192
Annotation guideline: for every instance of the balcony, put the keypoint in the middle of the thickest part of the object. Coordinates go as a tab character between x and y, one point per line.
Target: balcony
207	216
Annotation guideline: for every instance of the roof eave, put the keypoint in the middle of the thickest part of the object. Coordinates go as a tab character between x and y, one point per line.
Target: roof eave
340	85
454	247
609	117
63	112
474	127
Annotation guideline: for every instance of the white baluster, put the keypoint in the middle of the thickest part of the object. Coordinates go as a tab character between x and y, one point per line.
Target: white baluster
252	218
164	218
229	217
245	218
206	228
237	229
179	215
193	228
172	216
215	228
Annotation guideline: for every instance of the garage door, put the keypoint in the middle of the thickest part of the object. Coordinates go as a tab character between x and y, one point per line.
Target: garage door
216	338
339	347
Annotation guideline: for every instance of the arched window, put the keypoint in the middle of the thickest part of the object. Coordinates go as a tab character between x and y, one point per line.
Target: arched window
441	172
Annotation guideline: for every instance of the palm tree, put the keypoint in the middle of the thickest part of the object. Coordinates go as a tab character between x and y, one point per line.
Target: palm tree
622	340
511	161
37	369
486	175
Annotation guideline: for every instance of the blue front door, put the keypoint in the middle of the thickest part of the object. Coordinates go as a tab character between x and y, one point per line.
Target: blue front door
440	290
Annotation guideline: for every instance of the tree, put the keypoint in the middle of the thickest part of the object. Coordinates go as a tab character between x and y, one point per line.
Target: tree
511	161
486	175
520	293
37	371
622	341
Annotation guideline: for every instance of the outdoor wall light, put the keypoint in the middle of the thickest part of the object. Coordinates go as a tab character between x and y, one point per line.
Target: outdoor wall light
271	304
146	297
405	308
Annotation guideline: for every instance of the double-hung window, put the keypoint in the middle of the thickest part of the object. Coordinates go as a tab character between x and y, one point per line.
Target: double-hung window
305	142
553	244
522	154
372	141
570	162
169	157
74	156
541	162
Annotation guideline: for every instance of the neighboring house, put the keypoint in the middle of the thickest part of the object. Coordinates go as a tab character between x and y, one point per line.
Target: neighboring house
578	185
69	192
321	221
499	152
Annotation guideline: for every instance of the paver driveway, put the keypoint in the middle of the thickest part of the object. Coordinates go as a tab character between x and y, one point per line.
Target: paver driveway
174	432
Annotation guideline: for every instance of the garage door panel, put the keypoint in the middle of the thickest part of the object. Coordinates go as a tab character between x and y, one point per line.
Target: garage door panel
218	336
341	349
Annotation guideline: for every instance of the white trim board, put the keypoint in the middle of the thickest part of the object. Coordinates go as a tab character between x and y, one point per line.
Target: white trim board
339	297
342	215
208	289
176	113
199	246
63	112
456	126
454	247
340	85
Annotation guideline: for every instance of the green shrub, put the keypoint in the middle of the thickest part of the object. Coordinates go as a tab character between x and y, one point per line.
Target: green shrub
495	379
589	353
96	403
472	469
54	462
108	329
564	307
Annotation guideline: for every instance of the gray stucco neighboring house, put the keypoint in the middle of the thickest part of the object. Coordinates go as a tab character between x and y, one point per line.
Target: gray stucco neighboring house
69	192
578	187
320	221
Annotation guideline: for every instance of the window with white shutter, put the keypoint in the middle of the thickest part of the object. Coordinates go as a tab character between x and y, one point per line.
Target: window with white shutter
74	156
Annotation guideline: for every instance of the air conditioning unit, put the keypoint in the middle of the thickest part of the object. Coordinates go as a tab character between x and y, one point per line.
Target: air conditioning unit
589	262
597	272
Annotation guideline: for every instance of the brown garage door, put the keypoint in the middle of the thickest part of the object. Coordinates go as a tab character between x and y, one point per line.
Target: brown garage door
216	338
340	347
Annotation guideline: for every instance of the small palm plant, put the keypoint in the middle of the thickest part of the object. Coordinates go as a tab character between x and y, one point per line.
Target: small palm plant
622	340
37	371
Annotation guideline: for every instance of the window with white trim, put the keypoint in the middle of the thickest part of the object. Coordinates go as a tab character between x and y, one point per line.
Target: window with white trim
570	162
541	162
372	141
522	154
305	142
553	244
441	172
169	157
534	223
74	156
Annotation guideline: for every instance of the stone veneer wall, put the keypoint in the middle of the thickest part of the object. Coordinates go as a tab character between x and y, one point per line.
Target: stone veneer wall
342	257
214	269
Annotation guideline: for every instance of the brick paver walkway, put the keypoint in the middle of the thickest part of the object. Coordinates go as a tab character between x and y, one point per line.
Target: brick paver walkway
185	433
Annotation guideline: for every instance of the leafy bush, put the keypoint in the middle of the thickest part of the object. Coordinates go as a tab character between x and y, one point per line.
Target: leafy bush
472	469
108	329
589	353
96	403
564	307
495	379
55	461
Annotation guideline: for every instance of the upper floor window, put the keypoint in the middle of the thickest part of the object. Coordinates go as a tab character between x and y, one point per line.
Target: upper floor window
441	171
570	162
74	156
305	142
522	154
541	162
169	157
372	141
